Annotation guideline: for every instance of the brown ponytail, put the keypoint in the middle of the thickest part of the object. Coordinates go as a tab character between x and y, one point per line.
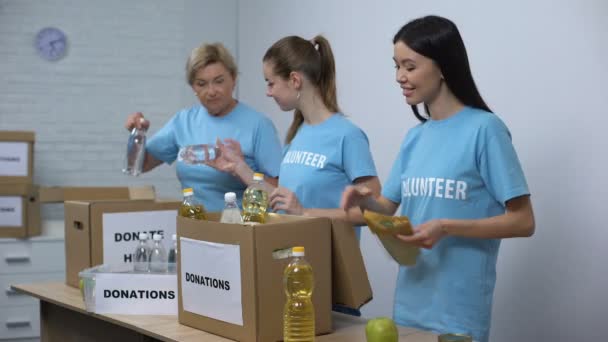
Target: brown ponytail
315	60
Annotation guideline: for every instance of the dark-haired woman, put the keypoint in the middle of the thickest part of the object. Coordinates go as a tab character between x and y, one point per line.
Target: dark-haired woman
457	177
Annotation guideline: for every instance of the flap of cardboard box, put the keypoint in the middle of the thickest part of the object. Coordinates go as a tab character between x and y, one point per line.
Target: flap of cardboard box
17	136
62	194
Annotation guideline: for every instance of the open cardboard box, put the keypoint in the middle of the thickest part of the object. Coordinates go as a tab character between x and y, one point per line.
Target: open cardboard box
105	232
331	247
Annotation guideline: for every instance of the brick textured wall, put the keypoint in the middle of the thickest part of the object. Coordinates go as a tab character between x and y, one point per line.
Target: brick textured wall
123	56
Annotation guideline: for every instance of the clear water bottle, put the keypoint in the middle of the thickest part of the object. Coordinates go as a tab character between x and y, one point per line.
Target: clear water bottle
173	255
136	151
141	262
158	255
255	200
299	313
198	154
231	212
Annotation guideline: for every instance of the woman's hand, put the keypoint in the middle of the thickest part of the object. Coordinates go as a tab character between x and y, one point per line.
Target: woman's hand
284	199
425	235
354	195
137	120
230	156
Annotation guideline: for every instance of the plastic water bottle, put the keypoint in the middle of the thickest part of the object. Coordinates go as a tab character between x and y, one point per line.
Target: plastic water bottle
173	255
255	200
231	212
299	313
190	207
198	154
136	151
142	254
158	256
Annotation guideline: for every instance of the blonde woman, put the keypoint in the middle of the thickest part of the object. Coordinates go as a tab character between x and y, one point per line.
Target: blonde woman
212	74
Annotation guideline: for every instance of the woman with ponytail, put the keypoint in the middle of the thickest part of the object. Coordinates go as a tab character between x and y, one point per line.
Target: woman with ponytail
458	179
324	151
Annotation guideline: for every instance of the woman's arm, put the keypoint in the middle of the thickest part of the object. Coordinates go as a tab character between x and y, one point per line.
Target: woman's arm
517	221
284	199
363	198
150	162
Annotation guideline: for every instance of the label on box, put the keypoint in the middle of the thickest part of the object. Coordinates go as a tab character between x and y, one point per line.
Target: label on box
136	294
211	280
121	232
11	211
13	159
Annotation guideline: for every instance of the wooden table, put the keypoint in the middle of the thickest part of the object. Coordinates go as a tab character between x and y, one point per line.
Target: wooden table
63	318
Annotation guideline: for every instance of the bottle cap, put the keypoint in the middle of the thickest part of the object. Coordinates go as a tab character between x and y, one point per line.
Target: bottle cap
230	197
143	236
157	237
187	191
258	176
174	237
297	251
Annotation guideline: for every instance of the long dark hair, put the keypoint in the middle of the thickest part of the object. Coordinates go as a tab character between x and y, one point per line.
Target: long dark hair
438	38
315	60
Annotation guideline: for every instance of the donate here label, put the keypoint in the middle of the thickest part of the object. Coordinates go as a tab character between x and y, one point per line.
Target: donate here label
121	232
211	280
136	294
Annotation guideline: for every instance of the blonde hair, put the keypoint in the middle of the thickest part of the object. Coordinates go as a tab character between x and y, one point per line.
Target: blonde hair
315	60
207	54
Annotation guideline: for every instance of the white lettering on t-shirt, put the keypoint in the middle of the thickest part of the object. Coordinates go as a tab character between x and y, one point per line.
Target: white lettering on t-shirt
439	188
434	187
461	190
305	158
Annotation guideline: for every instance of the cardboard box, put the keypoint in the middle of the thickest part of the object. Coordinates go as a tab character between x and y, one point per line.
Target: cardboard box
19	210
351	286
260	277
105	232
89	193
16	157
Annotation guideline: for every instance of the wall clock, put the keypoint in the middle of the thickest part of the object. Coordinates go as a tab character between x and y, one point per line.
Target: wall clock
51	43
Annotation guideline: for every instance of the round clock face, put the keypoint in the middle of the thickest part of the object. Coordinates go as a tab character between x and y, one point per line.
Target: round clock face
51	43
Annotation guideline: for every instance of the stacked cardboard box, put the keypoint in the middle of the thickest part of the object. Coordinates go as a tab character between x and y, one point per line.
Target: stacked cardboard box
19	202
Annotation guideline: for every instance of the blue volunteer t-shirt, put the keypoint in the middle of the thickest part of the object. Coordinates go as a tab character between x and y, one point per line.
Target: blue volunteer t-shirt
254	131
323	159
462	167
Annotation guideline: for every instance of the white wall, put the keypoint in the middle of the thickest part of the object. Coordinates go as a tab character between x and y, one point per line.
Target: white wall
123	56
540	66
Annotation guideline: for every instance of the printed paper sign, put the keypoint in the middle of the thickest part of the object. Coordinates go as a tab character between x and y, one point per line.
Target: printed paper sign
211	280
13	159
136	294
121	232
11	211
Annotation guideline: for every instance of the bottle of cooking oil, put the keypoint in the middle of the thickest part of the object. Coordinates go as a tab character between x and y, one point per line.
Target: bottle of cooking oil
255	200
299	313
190	207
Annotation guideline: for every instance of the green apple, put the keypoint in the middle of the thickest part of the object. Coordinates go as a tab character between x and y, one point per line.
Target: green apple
381	329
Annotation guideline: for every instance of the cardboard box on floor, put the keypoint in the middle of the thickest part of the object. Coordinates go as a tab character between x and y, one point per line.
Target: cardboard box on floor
19	210
105	232
16	157
250	306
